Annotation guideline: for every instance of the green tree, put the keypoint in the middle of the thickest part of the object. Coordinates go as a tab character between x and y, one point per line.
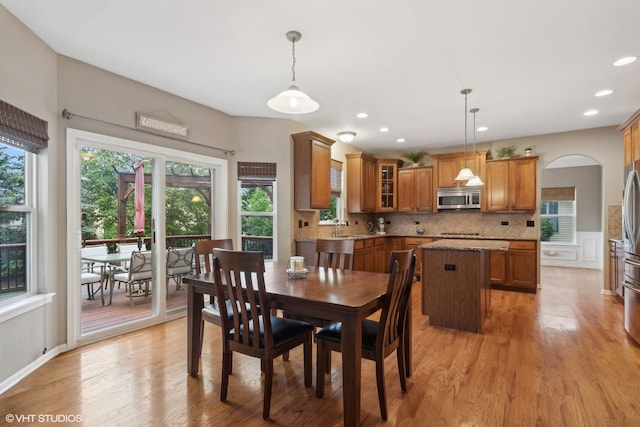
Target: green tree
257	198
546	230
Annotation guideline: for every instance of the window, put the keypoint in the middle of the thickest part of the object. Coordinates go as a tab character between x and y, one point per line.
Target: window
558	215
21	137
257	207
328	215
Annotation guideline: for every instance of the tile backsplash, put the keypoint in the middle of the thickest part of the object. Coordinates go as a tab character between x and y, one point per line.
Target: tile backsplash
502	225
614	222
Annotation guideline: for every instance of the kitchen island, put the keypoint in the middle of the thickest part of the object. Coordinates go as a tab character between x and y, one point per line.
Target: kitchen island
456	288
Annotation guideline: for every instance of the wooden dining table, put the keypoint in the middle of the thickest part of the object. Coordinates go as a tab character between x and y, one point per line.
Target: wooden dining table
337	295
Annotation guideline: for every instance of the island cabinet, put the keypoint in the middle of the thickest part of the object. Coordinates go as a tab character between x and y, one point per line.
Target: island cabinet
517	268
415	189
456	292
510	185
616	267
414	243
370	254
311	171
447	166
361	183
387	185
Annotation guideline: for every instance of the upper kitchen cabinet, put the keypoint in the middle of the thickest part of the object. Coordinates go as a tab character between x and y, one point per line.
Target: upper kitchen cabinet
510	185
388	185
631	135
415	189
361	183
447	166
311	171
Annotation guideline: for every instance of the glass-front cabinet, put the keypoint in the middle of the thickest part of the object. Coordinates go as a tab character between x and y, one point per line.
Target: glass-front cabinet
388	185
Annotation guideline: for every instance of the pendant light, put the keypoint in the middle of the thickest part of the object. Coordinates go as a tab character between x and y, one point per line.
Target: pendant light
465	173
475	181
293	100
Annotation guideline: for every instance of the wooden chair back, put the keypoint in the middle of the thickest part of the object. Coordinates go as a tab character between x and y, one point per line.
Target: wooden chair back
335	253
204	253
394	310
239	277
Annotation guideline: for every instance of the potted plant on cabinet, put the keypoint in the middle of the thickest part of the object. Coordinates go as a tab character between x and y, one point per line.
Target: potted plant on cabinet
505	152
415	157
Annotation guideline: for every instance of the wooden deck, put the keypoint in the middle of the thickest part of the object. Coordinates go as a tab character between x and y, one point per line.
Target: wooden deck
95	316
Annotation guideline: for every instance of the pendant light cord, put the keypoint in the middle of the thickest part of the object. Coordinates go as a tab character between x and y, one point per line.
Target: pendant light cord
293	54
465	129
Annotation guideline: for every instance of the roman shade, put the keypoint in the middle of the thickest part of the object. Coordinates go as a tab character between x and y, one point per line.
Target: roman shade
256	172
558	193
21	129
336	177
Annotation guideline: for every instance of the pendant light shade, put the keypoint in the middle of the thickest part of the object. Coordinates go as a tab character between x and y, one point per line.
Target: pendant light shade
293	100
475	181
465	173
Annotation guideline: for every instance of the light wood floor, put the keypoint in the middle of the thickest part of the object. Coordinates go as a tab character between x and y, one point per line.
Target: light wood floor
557	358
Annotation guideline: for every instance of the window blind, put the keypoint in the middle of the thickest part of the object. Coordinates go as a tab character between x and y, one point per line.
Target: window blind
22	130
256	172
558	193
336	177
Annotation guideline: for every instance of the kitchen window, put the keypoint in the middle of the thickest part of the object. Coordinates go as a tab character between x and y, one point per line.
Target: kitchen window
558	215
328	215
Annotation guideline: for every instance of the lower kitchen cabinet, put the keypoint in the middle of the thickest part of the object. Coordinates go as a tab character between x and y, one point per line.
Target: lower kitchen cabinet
414	243
517	268
616	267
370	254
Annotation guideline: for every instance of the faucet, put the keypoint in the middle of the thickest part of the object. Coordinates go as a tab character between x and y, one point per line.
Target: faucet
337	232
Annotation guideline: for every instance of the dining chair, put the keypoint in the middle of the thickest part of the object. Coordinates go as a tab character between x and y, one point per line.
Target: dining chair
179	263
140	270
89	273
251	329
379	338
335	253
204	258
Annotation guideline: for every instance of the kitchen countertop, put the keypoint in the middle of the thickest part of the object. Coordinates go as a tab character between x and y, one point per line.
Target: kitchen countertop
468	245
465	237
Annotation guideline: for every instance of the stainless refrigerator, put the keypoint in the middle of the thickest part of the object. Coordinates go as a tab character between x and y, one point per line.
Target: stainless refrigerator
631	238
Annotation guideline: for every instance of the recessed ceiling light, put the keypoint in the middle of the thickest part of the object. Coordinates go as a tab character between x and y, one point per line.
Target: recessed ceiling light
591	112
604	92
624	61
362	115
482	128
400	140
384	129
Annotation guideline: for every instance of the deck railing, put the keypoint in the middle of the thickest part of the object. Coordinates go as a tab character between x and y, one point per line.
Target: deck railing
258	243
13	268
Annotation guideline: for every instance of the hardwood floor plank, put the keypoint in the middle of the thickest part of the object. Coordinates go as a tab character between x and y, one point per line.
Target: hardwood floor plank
560	357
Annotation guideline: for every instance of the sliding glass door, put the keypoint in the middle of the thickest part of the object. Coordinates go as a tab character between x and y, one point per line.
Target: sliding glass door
133	217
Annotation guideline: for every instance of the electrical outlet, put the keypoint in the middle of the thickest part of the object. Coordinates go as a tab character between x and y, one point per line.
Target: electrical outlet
417	222
299	223
388	222
306	223
504	223
531	223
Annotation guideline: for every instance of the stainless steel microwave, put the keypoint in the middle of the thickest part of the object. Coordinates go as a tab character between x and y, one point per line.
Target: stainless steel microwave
459	198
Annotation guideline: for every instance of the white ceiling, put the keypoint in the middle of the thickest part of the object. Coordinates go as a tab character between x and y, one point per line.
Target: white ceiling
533	66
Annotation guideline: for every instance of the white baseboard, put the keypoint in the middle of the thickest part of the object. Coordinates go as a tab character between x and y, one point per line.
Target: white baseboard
30	368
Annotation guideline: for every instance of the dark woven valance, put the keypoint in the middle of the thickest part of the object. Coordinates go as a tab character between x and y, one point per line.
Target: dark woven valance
256	171
22	130
558	193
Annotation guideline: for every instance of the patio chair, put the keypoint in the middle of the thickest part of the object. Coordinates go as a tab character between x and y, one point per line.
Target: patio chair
90	273
122	267
179	263
140	270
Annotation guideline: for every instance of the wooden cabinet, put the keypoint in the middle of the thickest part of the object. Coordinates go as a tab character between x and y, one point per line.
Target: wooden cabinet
510	185
631	137
370	254
311	171
414	243
415	189
387	185
446	167
361	183
516	268
616	267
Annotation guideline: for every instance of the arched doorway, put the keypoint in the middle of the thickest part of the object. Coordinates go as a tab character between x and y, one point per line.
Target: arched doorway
571	213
